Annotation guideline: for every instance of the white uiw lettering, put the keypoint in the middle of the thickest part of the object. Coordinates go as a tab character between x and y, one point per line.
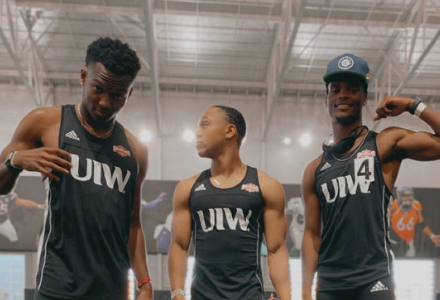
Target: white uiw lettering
216	219
343	184
96	171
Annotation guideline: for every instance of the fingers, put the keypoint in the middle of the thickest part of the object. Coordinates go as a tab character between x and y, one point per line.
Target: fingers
60	165
48	173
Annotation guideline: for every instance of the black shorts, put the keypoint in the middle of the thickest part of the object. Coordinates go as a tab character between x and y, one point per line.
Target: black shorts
382	289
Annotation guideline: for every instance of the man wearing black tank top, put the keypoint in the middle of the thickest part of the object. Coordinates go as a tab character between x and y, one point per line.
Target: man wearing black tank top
226	210
93	170
347	189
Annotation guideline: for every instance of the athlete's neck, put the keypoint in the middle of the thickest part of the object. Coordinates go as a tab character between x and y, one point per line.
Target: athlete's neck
341	131
226	165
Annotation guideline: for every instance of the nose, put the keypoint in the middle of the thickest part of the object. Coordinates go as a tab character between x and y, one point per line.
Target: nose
104	101
343	93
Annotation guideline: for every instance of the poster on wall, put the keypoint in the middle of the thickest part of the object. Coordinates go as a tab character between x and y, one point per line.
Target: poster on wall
414	221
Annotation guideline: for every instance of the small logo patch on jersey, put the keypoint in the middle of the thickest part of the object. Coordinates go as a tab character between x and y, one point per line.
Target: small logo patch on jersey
325	166
72	135
121	151
379	286
366	153
250	187
200	188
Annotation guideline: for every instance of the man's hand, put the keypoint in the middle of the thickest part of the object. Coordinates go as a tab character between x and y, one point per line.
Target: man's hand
392	106
44	160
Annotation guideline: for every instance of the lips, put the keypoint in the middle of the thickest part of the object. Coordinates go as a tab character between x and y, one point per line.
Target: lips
102	113
344	104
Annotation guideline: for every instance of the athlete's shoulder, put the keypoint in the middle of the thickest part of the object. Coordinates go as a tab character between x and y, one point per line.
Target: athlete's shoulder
183	188
44	115
268	184
313	165
139	149
263	177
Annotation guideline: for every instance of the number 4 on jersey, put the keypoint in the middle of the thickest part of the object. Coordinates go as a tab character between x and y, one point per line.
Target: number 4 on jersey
364	168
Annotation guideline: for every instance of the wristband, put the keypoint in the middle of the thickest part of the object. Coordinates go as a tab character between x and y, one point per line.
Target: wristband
9	163
420	108
414	105
177	292
143	282
432	236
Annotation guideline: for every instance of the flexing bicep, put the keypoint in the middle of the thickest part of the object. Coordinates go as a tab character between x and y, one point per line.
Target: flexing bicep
275	225
181	223
422	146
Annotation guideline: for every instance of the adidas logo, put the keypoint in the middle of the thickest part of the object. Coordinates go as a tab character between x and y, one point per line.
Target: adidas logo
72	135
200	188
379	286
325	166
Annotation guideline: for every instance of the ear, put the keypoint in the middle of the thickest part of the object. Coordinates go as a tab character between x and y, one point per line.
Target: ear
131	91
365	100
326	100
231	131
83	76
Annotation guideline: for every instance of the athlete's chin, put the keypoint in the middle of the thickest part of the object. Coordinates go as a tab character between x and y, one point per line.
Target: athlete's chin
202	153
346	119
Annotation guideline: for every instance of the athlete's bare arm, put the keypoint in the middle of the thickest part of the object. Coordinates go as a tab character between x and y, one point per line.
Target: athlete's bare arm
275	228
136	242
395	144
312	231
36	140
180	236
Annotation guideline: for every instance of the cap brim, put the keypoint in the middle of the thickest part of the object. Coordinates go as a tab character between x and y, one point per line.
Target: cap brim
328	77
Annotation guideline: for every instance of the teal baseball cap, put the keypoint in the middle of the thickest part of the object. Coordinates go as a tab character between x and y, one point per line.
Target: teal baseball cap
349	64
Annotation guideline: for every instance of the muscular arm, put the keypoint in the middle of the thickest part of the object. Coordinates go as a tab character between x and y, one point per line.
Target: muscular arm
275	227
180	236
312	232
30	133
136	242
422	146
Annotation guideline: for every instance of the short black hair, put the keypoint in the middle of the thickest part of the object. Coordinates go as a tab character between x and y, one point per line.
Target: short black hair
347	78
114	55
235	117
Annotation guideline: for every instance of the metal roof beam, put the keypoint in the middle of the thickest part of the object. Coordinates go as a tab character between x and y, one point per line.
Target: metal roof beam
243	16
147	9
273	98
305	87
17	65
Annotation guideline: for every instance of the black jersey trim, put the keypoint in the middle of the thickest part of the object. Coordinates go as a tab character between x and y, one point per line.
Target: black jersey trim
48	218
208	180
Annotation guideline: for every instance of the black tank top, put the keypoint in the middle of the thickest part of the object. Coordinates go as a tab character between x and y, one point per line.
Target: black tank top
355	248
227	233
84	251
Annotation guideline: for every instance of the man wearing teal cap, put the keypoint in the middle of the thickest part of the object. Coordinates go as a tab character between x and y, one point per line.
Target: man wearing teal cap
347	189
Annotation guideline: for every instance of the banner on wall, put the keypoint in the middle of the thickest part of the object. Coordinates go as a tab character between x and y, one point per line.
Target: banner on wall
414	221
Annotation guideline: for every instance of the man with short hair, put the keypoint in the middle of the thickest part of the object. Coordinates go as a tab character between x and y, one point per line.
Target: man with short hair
347	189
93	171
227	209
